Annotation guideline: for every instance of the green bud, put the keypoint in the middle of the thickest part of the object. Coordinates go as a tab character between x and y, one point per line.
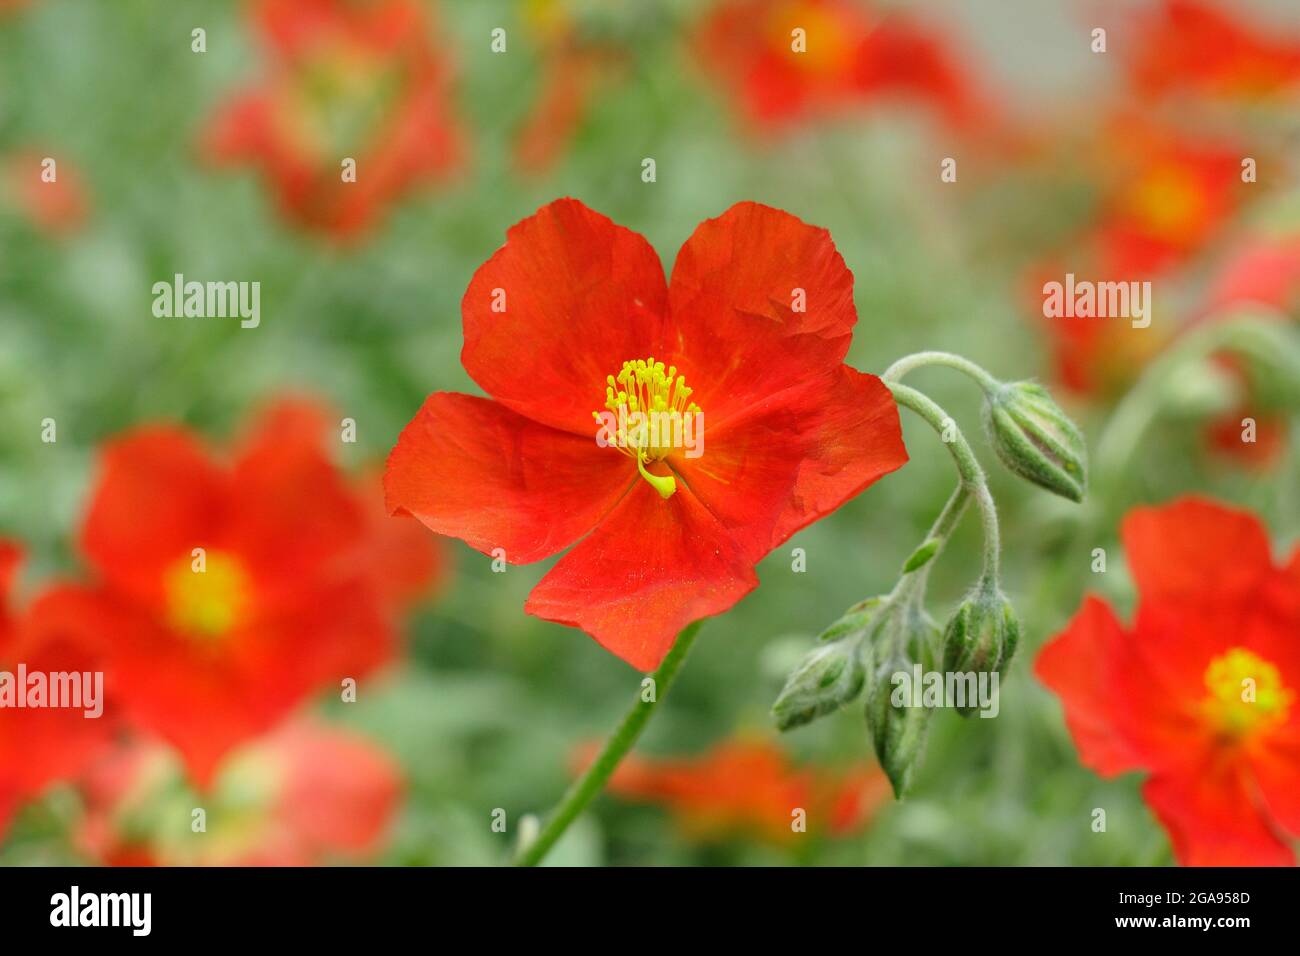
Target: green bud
829	677
899	733
982	635
1035	439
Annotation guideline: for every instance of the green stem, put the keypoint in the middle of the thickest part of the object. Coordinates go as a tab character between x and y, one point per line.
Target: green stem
904	365
1253	338
968	468
585	788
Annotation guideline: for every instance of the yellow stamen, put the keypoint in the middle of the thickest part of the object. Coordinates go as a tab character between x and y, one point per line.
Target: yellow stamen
206	598
647	404
1247	693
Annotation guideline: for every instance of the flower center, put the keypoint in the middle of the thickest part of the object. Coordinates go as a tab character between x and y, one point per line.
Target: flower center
338	97
1168	202
648	413
1247	693
207	603
826	48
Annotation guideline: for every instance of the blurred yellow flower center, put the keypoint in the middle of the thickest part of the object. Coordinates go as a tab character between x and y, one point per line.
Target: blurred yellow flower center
822	47
647	414
338	97
1168	201
207	603
1247	693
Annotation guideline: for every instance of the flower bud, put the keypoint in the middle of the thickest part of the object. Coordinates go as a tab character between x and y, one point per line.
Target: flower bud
829	677
899	727
1036	439
982	635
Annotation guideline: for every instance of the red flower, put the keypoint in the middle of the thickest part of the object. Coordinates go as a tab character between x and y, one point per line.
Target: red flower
39	746
1095	357
1261	275
227	593
749	786
303	796
849	58
56	207
1162	199
577	62
345	80
1191	46
1202	690
1166	198
1265	270
758	315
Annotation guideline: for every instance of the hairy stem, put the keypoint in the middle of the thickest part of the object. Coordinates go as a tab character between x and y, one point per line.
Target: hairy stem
968	469
904	365
591	783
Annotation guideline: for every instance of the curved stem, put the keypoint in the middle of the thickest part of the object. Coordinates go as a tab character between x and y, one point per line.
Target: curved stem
585	788
951	513
1250	337
968	467
904	365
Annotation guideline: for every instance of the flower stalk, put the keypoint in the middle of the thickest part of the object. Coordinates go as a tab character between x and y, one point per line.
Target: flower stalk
592	782
883	636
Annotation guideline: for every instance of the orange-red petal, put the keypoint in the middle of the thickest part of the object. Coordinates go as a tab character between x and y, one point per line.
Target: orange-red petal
795	456
1214	818
648	569
1195	550
759	300
159	496
575	296
1077	665
470	468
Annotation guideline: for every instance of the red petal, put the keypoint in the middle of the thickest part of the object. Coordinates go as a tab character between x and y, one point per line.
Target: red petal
1195	550
40	746
582	296
340	790
1076	665
734	333
208	697
10	557
158	497
795	456
295	514
1214	819
1276	768
651	567
470	468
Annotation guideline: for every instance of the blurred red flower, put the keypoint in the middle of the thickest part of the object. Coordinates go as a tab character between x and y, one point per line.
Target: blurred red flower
748	786
1263	270
56	207
302	796
1163	198
1167	198
759	313
39	746
345	81
1201	691
849	56
576	64
1260	275
225	593
1197	47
